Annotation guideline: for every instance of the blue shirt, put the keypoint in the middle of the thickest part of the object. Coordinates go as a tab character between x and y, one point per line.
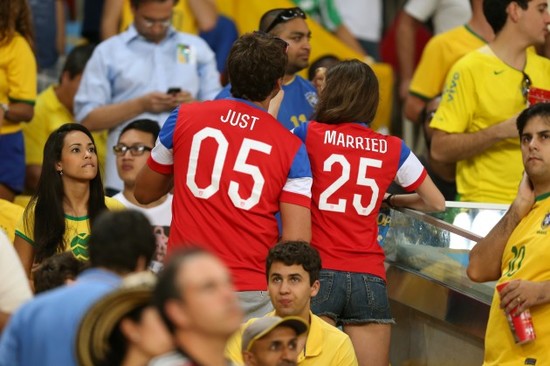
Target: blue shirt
43	14
128	66
298	103
43	331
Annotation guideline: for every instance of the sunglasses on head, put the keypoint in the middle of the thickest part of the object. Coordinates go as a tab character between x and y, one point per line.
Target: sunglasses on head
285	16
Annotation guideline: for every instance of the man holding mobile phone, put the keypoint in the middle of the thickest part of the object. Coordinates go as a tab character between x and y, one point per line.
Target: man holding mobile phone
144	72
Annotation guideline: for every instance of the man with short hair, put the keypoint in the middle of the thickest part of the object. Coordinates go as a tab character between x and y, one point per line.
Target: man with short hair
516	252
300	96
144	72
233	167
197	301
43	331
292	271
484	92
132	150
272	341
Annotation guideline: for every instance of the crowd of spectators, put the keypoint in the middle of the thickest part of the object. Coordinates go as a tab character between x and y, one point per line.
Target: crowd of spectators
175	190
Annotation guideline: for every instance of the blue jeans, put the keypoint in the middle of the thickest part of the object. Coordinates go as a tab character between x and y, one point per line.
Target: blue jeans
352	298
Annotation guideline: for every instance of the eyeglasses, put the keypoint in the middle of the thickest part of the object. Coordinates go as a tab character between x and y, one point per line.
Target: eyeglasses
135	150
284	45
525	86
285	16
148	23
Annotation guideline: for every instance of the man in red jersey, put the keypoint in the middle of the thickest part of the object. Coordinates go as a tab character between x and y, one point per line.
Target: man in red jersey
234	166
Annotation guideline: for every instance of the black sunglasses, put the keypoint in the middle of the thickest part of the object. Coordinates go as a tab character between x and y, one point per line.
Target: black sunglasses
525	86
285	16
136	150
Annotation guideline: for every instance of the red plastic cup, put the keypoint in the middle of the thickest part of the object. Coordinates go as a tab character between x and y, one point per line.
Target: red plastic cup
537	95
520	324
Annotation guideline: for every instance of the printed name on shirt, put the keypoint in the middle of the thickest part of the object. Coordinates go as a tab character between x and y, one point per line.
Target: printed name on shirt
239	119
356	142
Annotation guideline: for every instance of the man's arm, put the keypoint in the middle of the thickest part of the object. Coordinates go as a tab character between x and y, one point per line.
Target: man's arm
151	185
486	256
60	26
110	19
427	198
343	33
19	112
452	147
413	107
111	115
405	45
296	222
205	12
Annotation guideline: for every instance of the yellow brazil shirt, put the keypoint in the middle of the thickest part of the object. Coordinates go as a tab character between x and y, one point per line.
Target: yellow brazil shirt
10	214
439	55
17	77
527	257
481	91
77	230
325	345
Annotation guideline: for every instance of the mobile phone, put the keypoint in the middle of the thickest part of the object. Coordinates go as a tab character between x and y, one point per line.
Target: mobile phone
173	90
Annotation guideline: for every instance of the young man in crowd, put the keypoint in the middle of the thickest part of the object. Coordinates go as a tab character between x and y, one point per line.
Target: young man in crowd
132	150
292	271
234	166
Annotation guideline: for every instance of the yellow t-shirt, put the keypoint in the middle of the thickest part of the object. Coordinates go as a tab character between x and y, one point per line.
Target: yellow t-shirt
482	91
17	77
77	230
10	214
49	115
182	17
325	345
526	256
439	55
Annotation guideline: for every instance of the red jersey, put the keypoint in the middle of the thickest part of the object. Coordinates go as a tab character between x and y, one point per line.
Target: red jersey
232	164
352	168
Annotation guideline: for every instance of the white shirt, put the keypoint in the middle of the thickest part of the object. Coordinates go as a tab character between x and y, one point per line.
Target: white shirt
446	14
161	218
362	17
14	284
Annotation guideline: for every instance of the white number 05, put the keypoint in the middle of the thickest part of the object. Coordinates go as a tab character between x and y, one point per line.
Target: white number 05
362	180
219	161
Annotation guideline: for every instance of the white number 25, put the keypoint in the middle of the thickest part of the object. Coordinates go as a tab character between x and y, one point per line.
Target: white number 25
362	180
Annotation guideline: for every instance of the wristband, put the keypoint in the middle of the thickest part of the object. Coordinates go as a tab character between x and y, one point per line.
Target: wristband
387	200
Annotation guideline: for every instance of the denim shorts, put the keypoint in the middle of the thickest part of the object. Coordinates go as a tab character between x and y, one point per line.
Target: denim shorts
12	161
352	298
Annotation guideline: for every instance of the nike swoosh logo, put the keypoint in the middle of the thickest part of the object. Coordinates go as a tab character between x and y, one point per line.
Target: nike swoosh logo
498	72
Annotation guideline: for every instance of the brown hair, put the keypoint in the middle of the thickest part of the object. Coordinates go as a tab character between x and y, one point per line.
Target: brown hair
256	61
350	94
15	16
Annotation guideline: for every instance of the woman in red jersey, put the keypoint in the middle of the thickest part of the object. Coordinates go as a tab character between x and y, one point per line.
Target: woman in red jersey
352	168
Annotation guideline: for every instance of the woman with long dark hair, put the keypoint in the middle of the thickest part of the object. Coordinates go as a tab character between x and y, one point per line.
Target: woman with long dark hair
17	92
352	168
68	198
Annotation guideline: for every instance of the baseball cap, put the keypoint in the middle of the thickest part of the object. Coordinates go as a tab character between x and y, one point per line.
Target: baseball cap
101	319
262	326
